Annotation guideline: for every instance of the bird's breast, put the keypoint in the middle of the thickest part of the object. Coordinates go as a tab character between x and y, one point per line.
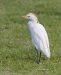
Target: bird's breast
31	27
33	31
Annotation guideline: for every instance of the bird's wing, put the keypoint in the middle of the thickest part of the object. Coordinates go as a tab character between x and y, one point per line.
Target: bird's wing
42	35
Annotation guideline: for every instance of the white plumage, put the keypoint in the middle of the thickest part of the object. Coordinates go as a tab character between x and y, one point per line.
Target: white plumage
38	34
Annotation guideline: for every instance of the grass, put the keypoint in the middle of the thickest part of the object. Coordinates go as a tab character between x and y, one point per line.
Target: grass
17	53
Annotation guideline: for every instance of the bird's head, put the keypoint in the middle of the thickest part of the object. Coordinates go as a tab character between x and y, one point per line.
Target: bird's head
31	17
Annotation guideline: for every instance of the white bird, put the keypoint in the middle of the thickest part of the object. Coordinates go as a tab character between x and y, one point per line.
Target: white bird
39	35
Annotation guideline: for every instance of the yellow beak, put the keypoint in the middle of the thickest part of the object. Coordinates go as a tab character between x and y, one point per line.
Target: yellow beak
23	17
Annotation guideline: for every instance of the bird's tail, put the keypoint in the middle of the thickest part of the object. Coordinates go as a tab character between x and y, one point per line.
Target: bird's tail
47	53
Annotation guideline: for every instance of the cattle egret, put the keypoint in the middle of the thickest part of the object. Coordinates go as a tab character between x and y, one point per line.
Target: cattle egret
39	36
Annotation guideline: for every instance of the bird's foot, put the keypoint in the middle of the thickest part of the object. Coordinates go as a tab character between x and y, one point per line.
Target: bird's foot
44	58
38	61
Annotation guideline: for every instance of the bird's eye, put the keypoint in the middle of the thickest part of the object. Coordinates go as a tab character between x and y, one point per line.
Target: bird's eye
28	16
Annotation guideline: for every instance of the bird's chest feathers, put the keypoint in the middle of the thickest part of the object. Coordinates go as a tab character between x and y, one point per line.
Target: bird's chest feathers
33	31
32	27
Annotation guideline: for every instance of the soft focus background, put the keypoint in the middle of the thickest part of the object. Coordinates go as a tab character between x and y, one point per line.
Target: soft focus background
17	53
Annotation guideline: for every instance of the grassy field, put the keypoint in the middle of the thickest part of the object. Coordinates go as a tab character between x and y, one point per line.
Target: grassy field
17	53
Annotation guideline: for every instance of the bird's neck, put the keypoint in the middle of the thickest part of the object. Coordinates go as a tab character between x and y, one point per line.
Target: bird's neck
33	21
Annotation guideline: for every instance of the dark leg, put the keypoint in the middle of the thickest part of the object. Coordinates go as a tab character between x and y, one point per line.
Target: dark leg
44	58
39	56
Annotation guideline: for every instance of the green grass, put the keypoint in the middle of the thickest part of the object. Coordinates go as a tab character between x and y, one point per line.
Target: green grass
17	53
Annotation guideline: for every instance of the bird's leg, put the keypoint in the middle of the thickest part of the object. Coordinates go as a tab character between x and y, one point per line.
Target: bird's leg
44	58
39	56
